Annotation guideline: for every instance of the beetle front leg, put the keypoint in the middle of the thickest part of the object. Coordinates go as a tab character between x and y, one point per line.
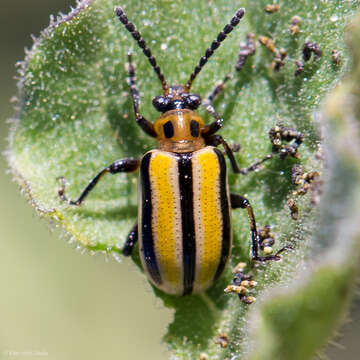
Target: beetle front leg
145	124
124	165
216	125
238	201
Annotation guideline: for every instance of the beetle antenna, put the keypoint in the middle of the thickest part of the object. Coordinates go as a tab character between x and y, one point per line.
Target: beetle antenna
142	44
214	45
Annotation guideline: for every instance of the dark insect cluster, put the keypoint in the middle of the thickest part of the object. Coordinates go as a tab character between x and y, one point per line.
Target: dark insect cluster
247	49
310	48
305	182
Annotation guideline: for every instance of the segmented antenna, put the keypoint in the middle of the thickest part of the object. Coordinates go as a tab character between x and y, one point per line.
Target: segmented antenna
142	44
214	45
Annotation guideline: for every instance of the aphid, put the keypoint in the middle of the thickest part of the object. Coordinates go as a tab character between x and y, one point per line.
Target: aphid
305	182
336	58
222	340
184	226
267	239
294	211
280	133
299	67
295	21
309	48
278	61
297	173
246	49
268	43
241	284
280	55
272	8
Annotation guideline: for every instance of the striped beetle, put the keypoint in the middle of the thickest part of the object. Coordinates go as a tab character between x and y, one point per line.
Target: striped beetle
184	218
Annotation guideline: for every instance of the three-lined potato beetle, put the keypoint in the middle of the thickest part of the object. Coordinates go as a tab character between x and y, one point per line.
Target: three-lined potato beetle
184	218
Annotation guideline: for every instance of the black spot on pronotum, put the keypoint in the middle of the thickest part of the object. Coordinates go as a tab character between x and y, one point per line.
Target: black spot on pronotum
194	128
169	130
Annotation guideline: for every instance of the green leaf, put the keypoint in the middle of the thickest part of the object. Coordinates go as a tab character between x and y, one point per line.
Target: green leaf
75	117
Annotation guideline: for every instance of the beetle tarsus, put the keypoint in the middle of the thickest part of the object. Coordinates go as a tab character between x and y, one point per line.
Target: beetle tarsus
61	191
275	257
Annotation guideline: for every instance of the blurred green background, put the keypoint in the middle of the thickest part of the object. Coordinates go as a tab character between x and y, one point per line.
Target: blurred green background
55	302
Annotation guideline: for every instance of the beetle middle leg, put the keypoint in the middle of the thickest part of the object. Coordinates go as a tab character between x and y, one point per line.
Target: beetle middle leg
278	134
124	165
238	201
285	142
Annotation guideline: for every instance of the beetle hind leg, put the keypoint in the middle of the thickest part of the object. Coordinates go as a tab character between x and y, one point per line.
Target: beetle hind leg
257	242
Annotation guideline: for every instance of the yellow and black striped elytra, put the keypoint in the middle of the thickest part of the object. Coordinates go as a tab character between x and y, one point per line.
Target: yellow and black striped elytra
184	216
184	219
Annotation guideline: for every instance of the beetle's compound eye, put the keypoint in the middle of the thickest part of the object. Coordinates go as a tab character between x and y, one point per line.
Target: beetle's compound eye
168	130
161	103
194	128
192	100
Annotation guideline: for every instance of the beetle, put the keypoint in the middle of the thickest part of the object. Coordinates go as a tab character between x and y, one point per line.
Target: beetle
184	212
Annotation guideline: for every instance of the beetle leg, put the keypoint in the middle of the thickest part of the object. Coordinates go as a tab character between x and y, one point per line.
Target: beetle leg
216	140
124	165
131	240
238	201
217	90
213	127
256	164
207	104
145	125
277	135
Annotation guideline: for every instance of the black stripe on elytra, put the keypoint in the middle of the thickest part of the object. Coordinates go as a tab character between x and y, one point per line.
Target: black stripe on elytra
187	219
146	217
225	214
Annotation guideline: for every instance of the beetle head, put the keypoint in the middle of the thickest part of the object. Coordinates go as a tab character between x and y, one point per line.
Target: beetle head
176	98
